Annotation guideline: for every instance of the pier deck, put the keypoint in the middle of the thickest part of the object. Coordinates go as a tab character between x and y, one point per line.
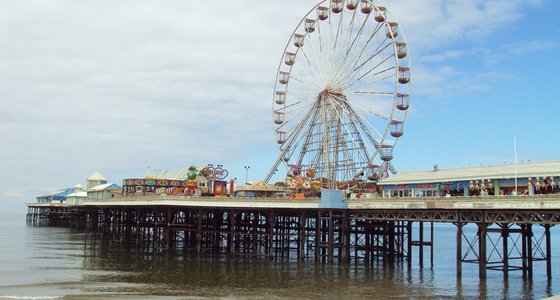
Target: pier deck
551	202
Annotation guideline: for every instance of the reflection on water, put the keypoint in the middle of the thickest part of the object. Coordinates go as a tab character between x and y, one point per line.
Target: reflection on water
43	261
213	276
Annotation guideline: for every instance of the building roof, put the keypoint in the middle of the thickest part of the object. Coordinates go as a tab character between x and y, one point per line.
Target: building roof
81	194
97	176
523	170
103	187
61	193
180	173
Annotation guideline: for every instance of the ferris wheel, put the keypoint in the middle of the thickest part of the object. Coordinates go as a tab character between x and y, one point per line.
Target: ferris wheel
341	93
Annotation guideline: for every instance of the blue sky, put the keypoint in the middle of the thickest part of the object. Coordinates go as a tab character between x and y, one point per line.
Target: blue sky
120	87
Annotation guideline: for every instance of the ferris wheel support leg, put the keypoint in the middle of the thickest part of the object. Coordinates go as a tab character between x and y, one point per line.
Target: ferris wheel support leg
392	168
274	168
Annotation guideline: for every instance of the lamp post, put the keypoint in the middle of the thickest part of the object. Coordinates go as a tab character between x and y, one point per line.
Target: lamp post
247	173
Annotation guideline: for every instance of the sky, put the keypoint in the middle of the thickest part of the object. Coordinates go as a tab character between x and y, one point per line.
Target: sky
131	87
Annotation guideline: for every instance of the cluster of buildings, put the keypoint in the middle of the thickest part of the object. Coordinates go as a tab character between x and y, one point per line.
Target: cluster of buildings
529	178
97	188
206	180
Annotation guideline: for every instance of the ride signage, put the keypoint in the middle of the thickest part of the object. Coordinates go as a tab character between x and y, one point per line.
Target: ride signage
216	173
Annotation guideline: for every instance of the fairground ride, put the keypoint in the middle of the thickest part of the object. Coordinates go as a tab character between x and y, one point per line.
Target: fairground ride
341	94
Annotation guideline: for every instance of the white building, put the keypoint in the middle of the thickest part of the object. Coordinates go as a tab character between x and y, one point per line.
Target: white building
95	179
104	192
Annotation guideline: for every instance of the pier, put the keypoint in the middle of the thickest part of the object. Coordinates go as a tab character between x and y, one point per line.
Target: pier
365	230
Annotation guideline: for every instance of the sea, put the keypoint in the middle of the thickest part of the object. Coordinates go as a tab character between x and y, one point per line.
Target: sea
64	263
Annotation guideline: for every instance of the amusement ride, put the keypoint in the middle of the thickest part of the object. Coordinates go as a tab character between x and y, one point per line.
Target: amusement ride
341	96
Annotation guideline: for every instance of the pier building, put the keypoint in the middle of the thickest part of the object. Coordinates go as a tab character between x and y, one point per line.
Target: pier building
95	179
528	178
77	197
97	189
206	180
55	197
104	191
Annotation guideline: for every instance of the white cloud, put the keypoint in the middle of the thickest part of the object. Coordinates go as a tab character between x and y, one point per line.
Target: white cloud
14	193
443	56
433	24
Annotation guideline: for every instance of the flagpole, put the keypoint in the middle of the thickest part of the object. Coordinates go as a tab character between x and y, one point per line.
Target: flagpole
515	162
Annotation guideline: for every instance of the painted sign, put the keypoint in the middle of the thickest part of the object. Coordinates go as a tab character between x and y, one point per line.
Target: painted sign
217	173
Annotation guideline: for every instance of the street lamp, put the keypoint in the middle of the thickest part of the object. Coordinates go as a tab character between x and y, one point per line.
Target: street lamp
247	173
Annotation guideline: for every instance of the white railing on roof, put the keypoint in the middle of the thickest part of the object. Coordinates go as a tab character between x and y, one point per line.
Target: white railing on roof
258	188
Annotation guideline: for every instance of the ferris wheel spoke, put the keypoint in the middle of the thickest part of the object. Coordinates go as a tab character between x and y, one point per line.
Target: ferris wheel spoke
303	92
334	73
358	118
365	124
373	81
347	41
298	108
349	34
339	32
302	81
349	111
362	50
377	52
299	105
378	114
341	145
339	29
356	69
294	116
316	64
365	120
297	129
358	34
353	132
308	136
320	36
317	71
369	93
288	106
378	72
344	68
355	60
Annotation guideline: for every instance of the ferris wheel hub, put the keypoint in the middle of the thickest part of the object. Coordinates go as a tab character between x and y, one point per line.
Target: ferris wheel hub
335	92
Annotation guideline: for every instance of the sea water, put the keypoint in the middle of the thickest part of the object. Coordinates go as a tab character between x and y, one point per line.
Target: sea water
64	263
